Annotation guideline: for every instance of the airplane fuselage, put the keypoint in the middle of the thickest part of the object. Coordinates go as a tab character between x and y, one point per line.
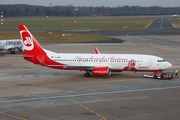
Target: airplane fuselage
116	62
125	62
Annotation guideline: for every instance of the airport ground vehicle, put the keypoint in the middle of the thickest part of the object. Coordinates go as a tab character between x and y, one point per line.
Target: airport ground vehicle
162	75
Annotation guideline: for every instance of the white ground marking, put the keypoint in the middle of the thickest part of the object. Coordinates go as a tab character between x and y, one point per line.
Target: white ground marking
88	94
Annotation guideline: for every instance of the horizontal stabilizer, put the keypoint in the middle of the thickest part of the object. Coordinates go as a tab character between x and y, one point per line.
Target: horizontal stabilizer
28	56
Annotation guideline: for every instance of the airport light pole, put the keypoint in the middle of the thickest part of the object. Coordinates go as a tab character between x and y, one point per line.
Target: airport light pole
2	21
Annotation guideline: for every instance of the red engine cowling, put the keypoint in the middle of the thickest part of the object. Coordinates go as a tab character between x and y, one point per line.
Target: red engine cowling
101	71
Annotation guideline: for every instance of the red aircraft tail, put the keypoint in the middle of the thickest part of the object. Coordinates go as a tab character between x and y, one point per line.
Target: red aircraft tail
32	49
31	46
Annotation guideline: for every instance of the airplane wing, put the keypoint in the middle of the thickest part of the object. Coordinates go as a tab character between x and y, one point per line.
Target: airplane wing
7	47
80	67
83	67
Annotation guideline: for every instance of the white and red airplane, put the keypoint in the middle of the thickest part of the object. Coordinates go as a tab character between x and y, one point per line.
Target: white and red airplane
11	45
93	64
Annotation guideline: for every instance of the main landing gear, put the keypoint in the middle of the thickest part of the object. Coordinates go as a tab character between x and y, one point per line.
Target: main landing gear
12	51
87	74
15	50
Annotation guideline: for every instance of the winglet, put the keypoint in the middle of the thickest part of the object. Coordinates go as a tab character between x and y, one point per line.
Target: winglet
96	50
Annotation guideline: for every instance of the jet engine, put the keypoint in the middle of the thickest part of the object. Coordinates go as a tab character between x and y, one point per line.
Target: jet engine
101	71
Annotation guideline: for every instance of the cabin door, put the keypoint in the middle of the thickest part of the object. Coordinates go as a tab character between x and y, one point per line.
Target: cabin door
150	62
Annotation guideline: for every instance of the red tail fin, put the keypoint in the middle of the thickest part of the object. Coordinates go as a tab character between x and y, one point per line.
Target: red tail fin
32	49
31	46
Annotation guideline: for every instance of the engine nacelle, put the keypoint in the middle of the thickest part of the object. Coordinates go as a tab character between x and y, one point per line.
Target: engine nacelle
101	71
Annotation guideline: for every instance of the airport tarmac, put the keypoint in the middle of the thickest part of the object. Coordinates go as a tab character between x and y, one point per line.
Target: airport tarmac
32	92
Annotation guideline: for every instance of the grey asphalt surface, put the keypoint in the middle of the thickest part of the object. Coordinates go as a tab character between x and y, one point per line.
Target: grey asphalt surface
160	26
32	92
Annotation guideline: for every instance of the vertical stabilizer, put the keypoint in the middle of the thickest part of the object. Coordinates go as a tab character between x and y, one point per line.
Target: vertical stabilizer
33	51
31	46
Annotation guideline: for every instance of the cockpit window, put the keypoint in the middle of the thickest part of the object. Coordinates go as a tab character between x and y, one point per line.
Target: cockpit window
161	60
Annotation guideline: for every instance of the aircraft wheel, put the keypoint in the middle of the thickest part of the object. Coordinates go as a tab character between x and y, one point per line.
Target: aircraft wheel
20	49
87	74
12	51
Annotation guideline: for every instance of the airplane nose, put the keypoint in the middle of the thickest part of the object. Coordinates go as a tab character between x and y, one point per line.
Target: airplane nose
168	65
